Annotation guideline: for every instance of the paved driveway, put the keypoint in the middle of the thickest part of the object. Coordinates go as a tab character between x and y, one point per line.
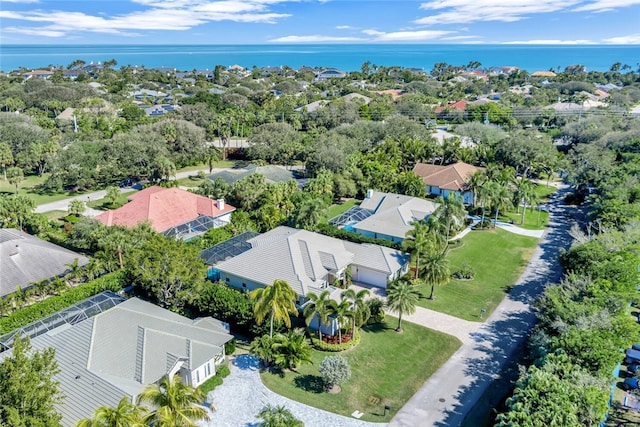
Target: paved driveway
453	390
242	395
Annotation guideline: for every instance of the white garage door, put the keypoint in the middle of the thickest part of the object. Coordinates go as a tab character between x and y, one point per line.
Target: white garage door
370	277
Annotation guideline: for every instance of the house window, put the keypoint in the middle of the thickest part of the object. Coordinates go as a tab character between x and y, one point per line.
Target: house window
197	376
226	279
207	370
244	285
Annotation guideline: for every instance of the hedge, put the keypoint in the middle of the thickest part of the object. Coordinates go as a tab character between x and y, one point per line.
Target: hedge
38	310
216	380
339	233
323	346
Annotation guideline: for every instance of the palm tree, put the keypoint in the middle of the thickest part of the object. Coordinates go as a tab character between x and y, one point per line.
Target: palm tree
361	312
475	183
436	269
262	348
173	403
525	195
417	242
342	312
291	349
126	414
501	199
318	305
15	176
275	301
278	416
112	196
402	297
449	213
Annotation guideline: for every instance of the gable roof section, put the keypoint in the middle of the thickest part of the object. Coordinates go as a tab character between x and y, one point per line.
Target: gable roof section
303	258
452	177
394	213
25	259
100	357
458	105
164	208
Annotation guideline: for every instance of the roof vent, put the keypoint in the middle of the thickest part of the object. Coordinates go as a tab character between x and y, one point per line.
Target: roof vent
369	194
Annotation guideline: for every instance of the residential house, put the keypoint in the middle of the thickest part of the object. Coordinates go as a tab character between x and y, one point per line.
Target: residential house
37	74
309	262
385	215
330	73
458	105
108	348
171	211
547	74
26	260
443	180
272	173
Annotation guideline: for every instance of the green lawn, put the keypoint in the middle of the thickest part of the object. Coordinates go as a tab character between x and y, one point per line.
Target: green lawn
218	164
338	208
29	186
103	204
387	368
191	181
533	219
497	258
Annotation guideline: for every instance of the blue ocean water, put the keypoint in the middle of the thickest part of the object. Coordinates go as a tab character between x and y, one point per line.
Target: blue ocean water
348	57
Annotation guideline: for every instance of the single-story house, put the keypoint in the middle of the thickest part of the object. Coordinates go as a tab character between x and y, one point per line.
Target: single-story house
385	215
108	348
26	260
171	211
443	180
458	106
330	74
272	173
309	262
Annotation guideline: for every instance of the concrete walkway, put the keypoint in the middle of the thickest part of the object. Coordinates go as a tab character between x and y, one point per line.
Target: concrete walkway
450	393
242	395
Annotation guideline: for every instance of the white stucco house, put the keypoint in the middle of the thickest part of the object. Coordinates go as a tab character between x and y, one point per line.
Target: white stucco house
309	262
385	215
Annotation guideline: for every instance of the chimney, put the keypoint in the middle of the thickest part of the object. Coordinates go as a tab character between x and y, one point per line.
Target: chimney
369	194
220	203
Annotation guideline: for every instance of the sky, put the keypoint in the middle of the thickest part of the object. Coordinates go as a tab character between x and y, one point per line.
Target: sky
319	21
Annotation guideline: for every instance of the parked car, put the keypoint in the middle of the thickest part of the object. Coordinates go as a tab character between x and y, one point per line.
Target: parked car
631	384
632	369
636	346
632	356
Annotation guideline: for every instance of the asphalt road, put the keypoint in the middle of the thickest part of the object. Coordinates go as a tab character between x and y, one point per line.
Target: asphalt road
446	398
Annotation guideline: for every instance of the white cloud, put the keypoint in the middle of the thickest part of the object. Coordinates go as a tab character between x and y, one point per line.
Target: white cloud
165	15
551	41
629	39
407	36
605	5
458	38
345	27
35	32
467	11
21	1
315	39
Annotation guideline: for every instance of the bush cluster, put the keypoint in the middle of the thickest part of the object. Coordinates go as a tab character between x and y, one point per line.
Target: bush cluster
323	346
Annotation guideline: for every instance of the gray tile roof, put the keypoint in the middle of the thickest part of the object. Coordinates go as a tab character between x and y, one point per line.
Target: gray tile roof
25	260
116	353
394	213
304	259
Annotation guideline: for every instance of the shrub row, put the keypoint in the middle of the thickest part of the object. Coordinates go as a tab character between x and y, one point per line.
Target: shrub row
216	380
323	346
22	317
339	233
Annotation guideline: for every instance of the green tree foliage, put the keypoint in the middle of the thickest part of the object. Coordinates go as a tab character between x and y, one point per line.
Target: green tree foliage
317	307
334	370
126	414
224	303
29	391
76	207
291	349
16	211
15	176
275	301
172	403
402	298
278	416
560	393
165	269
262	348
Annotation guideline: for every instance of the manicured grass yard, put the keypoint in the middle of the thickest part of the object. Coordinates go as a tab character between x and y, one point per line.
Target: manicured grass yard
338	208
533	220
497	258
28	188
103	204
387	368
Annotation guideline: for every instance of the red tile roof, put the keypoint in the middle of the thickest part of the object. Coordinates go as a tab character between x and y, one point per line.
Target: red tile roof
459	105
453	177
163	208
